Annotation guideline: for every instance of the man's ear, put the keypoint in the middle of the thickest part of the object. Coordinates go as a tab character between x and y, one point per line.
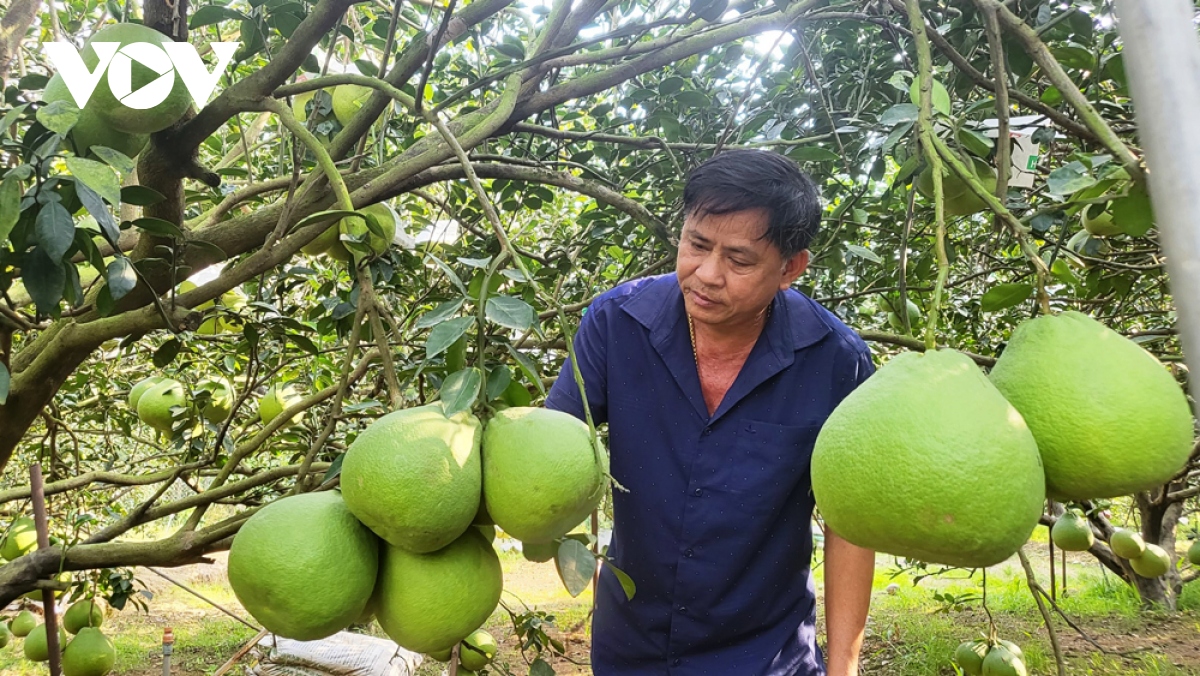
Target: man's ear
793	268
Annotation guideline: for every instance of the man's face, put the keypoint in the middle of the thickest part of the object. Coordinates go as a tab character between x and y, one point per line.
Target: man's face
728	271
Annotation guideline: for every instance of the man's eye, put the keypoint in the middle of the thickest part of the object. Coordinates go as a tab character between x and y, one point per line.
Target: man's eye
740	264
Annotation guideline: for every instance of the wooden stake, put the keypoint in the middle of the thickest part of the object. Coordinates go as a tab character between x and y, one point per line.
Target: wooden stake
40	521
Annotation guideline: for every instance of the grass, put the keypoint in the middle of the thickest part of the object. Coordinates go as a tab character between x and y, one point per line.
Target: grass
910	633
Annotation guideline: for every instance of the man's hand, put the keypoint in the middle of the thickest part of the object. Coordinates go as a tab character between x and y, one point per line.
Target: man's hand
849	571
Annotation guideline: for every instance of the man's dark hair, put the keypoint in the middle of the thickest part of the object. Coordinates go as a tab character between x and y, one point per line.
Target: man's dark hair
737	180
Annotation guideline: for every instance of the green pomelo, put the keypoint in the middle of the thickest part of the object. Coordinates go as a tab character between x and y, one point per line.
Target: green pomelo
926	460
303	566
1126	544
20	539
1193	553
220	405
1154	562
1102	224
5	635
442	655
357	228
969	657
958	200
541	474
1072	533
64	578
477	650
23	623
91	653
136	392
86	613
488	532
117	115
1108	418
37	648
322	242
154	406
90	129
1002	662
277	398
300	105
1012	648
539	552
914	316
413	477
348	99
429	602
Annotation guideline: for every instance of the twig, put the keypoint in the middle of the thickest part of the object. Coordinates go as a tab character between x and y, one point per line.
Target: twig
202	597
1038	593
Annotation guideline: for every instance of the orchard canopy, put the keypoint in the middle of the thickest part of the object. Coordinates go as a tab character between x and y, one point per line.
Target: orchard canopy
532	155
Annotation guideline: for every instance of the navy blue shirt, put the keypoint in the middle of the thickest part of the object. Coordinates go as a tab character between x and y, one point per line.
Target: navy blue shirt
716	525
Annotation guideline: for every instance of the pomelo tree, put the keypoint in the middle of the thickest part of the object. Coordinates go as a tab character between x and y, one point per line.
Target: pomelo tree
535	155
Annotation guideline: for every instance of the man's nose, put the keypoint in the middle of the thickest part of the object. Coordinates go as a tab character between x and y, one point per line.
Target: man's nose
709	273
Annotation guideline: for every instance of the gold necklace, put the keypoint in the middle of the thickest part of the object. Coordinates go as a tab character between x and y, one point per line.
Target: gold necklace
766	314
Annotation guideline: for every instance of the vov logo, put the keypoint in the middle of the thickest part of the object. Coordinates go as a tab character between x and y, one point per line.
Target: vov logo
169	59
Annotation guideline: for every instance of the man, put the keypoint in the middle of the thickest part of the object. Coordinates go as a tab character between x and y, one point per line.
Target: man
714	382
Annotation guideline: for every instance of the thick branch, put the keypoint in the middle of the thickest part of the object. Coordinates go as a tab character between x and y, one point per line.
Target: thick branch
13	26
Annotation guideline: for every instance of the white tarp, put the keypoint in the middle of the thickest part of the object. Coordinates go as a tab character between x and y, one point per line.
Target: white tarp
343	654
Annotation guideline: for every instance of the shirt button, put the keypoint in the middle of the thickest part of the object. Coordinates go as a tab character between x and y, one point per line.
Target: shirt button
707	431
676	662
683	609
697	492
688	553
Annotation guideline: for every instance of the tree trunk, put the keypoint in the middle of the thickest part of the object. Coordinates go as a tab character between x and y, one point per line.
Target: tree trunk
1158	527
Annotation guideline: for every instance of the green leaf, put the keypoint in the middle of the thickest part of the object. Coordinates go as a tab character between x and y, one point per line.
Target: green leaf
1069	178
475	262
10	205
4	383
328	215
158	226
99	210
440	313
115	159
460	390
899	114
975	143
443	335
941	97
539	667
141	196
497	381
576	565
813	154
335	468
1134	214
97	176
528	367
454	279
510	312
863	252
167	352
671	85
58	116
1005	296
55	229
44	279
626	582
1063	273
304	343
121	277
693	99
210	14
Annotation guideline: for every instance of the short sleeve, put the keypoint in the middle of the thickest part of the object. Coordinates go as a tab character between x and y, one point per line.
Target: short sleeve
591	348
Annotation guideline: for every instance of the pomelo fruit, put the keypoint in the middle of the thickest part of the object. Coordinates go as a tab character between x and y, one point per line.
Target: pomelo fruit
926	460
37	648
20	539
303	566
1154	562
1126	543
85	613
90	129
355	227
277	398
1011	647
1072	533
958	200
105	104
429	602
413	476
1002	662
348	99
477	650
23	623
1097	219
541	474
969	656
220	404
136	392
539	552
5	635
441	655
1108	418
91	653
489	532
155	404
1193	553
914	316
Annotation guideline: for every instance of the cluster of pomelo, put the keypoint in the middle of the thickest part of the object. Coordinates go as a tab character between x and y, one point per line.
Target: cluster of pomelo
932	460
408	538
162	403
105	120
88	652
373	238
988	657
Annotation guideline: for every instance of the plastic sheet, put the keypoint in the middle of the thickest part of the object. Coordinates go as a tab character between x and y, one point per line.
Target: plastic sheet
343	654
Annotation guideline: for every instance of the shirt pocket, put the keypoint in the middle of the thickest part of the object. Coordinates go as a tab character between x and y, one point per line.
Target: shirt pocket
769	459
